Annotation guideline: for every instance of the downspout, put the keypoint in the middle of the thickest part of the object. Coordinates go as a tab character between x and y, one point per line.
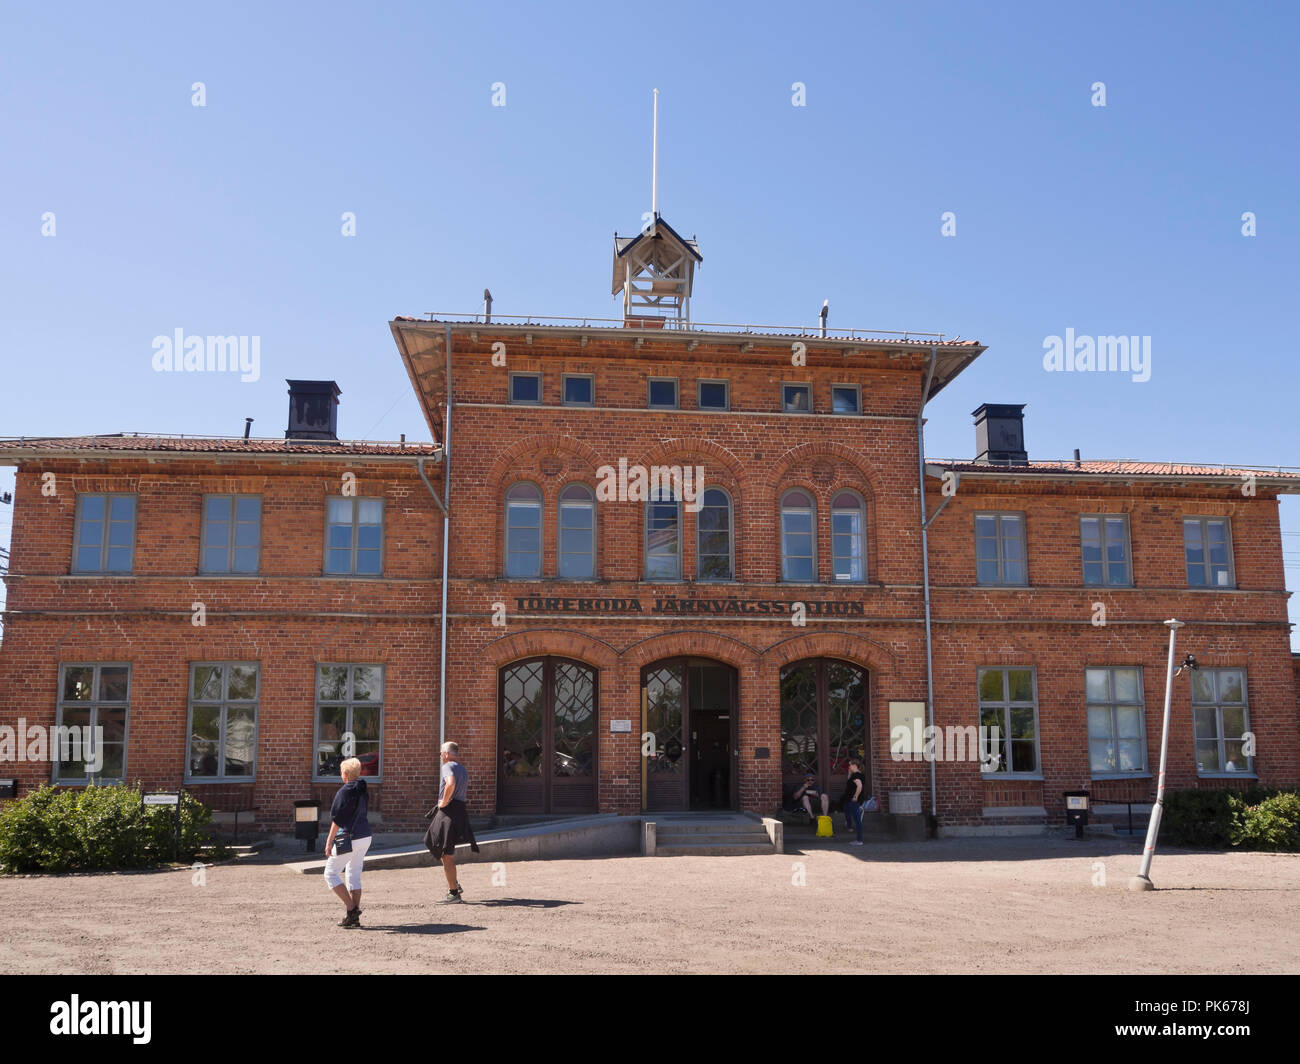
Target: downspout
925	575
446	546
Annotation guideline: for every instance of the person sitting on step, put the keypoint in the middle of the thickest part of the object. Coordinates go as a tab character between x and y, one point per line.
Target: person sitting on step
808	792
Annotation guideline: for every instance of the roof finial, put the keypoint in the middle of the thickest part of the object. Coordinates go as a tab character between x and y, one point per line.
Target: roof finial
654	164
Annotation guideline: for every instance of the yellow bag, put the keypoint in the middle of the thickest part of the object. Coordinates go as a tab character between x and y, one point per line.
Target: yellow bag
824	827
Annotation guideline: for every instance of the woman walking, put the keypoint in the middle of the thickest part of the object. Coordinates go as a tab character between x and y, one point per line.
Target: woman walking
348	841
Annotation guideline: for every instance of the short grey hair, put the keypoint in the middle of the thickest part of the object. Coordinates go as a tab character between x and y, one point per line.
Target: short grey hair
450	748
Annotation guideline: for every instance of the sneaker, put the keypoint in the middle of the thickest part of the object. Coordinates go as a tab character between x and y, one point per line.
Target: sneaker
453	896
352	919
856	842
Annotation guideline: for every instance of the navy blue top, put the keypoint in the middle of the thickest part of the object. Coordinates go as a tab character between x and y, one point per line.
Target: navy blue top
349	802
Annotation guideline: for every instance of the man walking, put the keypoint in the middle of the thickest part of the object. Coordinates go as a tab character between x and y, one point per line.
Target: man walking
451	819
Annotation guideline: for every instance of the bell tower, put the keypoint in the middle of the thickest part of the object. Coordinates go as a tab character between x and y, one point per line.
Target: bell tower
655	270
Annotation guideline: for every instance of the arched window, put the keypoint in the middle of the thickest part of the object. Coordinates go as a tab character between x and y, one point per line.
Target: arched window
848	537
713	545
663	535
524	531
798	537
577	530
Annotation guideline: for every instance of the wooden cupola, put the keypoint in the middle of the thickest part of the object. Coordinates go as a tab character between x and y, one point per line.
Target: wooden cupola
655	271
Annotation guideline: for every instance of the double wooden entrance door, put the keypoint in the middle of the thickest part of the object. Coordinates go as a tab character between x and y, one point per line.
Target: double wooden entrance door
547	737
688	727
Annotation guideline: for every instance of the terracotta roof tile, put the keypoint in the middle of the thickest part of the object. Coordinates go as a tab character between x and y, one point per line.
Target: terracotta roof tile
120	443
1112	468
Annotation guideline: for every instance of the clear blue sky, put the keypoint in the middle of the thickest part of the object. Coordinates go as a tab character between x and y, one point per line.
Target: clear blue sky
225	219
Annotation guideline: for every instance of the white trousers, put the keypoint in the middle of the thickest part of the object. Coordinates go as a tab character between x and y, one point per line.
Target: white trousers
349	863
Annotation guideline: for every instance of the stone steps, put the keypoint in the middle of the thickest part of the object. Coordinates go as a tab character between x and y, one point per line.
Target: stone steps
707	837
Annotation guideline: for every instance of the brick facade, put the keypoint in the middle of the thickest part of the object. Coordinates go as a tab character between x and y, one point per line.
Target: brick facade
291	618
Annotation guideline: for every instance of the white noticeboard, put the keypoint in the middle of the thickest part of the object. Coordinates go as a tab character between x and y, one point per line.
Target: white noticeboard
162	799
620	725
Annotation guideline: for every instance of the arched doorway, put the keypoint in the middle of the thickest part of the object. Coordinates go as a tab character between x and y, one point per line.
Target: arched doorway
688	721
546	737
824	715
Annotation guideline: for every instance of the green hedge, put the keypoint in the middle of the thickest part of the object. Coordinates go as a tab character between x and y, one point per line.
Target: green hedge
1254	819
97	829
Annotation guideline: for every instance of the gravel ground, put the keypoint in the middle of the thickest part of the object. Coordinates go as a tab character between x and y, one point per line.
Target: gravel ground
950	905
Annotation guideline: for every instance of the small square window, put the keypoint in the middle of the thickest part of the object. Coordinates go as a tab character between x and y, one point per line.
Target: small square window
663	393
845	399
796	398
525	387
579	390
713	395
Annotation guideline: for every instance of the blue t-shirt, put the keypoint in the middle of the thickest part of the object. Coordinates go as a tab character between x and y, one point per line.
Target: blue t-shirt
461	775
350	802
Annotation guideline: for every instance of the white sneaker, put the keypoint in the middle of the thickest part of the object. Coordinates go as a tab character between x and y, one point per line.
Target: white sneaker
855	842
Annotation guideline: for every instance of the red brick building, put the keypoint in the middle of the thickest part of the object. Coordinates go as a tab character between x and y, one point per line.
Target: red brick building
686	564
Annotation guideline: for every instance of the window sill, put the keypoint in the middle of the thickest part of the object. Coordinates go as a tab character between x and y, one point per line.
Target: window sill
104	782
1006	777
1227	776
208	781
1112	777
371	781
102	573
991	811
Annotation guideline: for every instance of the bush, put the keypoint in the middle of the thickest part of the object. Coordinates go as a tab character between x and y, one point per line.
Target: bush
96	829
1273	824
1258	818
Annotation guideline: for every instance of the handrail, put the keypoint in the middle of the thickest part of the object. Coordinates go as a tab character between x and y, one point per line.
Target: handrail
681	325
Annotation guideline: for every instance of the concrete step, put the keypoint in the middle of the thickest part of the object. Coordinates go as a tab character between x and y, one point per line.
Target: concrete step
701	838
705	826
742	848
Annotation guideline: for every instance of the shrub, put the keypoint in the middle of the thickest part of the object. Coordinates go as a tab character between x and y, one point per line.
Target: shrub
1272	824
96	829
1258	818
1199	818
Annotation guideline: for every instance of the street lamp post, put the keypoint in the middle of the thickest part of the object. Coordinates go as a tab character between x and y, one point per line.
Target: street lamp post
1142	881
